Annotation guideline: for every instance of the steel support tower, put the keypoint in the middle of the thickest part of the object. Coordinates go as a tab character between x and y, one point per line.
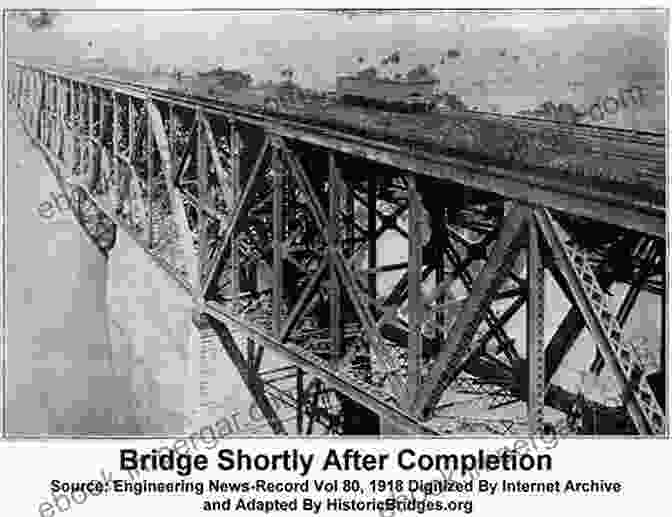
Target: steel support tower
278	225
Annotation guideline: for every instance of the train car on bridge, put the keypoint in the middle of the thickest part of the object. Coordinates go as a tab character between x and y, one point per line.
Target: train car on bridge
219	77
407	94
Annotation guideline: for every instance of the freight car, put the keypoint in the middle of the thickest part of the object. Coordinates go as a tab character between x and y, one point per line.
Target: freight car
405	95
219	77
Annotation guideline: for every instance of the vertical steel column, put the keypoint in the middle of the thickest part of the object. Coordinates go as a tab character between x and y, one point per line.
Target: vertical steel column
39	91
71	104
28	106
35	106
26	96
299	400
535	332
372	235
172	130
60	99
101	114
415	308
41	115
31	100
46	110
441	299
90	147
82	104
131	128
349	211
662	249
37	119
115	151
77	126
10	85
60	109
335	317
149	145
127	180
53	110
28	76
64	100
14	78
278	227
16	85
202	174
30	88
235	190
56	112
101	136
51	106
20	88
82	125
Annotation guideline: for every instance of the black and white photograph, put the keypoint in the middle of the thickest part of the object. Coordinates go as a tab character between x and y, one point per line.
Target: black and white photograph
335	223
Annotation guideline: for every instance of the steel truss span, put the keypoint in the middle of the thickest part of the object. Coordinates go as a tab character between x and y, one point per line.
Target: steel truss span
408	289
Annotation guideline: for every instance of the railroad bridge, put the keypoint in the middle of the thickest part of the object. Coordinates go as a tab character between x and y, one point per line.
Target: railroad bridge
276	225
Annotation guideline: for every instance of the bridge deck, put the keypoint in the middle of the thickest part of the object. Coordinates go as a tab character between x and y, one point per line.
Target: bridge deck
568	167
